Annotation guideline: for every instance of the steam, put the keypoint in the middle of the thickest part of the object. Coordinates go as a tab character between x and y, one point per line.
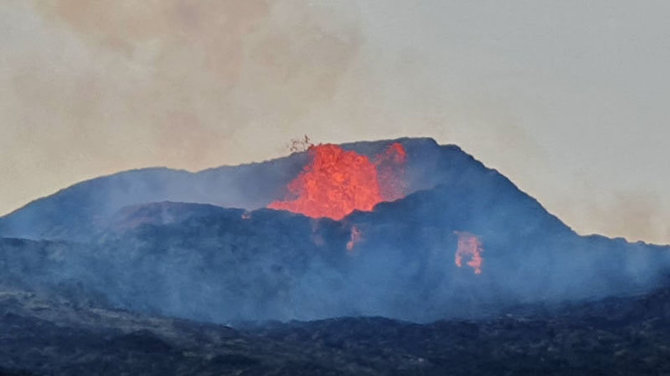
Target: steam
198	84
169	83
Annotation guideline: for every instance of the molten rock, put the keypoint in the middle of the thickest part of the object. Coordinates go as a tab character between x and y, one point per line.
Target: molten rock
337	182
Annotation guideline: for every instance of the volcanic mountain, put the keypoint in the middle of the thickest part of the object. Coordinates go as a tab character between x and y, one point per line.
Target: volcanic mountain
90	205
234	243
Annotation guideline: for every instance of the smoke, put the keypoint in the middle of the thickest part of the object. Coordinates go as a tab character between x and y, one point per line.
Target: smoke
634	215
108	86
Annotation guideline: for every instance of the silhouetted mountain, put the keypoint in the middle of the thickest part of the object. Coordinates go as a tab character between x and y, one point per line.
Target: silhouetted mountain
120	248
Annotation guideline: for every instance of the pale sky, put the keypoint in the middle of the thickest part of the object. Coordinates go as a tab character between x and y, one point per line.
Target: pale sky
566	98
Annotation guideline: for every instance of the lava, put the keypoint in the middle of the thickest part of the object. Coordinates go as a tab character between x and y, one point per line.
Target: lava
470	246
336	182
356	236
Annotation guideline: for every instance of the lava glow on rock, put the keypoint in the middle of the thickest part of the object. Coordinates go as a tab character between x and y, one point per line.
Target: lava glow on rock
337	182
355	237
469	246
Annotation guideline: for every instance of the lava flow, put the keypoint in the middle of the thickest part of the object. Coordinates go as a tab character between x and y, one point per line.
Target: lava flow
469	246
336	182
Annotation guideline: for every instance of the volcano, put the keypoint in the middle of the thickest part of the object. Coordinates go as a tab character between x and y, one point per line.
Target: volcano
401	229
406	229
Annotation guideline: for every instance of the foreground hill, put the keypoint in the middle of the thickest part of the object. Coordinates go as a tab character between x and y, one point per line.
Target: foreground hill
623	336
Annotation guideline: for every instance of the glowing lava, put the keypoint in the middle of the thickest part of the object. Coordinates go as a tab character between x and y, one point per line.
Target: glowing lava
337	182
356	236
469	246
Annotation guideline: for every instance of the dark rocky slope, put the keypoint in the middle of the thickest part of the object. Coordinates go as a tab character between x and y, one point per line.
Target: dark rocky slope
615	336
212	264
208	263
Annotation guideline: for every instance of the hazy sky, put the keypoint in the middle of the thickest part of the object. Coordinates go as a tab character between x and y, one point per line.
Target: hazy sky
569	99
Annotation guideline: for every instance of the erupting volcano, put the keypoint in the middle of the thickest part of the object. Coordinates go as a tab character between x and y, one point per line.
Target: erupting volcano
336	182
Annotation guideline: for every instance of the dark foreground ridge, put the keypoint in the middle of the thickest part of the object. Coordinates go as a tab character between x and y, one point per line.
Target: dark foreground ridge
615	336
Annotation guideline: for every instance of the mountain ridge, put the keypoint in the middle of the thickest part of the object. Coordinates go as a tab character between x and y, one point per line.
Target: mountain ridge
250	186
139	242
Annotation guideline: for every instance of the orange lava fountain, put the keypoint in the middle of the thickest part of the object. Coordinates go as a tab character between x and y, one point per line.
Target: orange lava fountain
336	182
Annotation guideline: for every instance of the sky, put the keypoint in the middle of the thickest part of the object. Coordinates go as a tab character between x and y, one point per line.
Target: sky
566	98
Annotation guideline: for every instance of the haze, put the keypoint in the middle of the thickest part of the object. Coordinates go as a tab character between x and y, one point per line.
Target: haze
568	99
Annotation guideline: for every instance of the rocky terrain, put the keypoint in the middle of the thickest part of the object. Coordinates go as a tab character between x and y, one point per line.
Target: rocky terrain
160	272
615	336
